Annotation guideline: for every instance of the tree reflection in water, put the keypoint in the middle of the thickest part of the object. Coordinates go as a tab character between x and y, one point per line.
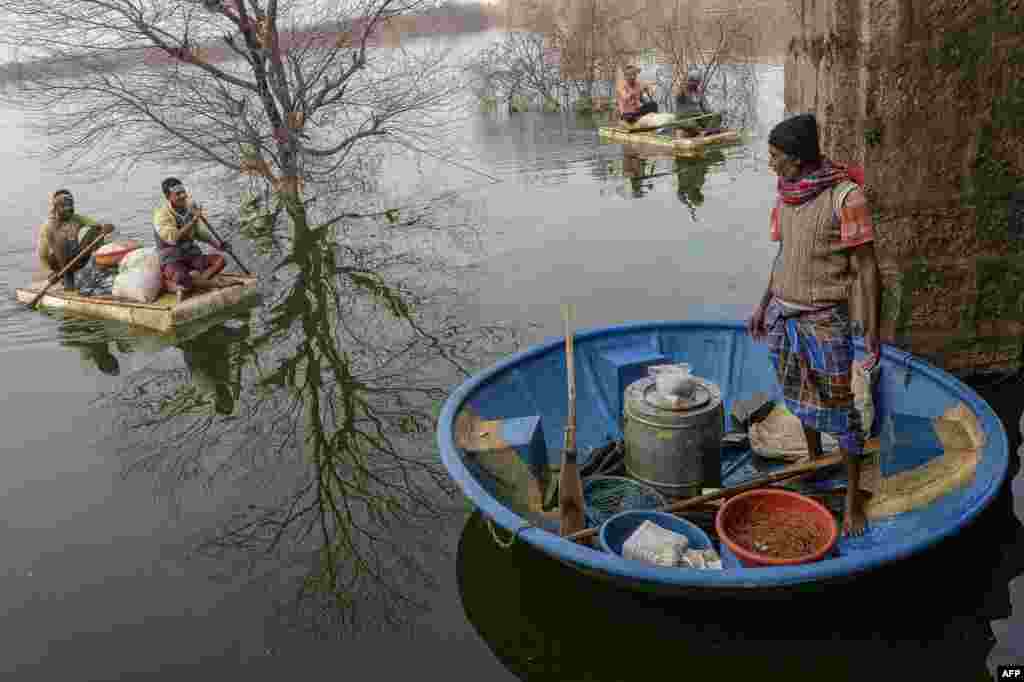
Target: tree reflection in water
328	407
691	173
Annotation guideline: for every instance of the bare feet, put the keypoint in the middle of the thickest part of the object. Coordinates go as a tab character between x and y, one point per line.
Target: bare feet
854	520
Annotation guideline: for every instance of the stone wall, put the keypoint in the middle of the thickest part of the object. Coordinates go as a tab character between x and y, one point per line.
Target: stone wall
929	96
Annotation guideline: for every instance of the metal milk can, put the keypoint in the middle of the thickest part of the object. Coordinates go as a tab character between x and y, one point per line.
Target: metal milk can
673	436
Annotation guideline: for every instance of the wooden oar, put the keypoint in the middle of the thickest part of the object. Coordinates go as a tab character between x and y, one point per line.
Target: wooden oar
53	279
230	251
570	486
764	481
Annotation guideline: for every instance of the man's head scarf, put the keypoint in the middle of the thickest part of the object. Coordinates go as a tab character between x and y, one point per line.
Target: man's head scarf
798	137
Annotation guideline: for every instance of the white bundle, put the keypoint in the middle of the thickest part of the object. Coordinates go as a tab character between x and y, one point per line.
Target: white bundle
703	559
656	545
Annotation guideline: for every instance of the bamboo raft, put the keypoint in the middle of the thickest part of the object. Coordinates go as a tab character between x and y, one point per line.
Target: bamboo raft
680	145
163	315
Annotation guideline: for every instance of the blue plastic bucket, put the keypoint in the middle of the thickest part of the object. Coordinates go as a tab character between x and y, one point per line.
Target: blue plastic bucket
616	530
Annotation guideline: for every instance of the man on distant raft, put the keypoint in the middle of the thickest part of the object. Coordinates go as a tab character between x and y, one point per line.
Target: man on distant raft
64	235
822	222
178	224
629	95
690	99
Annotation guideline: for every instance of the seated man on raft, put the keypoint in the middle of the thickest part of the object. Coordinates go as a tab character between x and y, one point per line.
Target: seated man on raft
63	237
629	95
178	223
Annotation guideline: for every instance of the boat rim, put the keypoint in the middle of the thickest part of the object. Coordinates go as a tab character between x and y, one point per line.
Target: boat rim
752	578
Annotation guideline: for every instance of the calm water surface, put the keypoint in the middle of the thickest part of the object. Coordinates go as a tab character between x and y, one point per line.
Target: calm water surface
169	506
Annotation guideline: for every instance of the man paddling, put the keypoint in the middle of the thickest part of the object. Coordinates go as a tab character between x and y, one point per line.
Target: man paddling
178	224
629	95
64	235
690	97
822	222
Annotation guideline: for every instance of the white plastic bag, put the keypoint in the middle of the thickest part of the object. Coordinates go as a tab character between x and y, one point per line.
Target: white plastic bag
653	544
140	284
134	260
654	120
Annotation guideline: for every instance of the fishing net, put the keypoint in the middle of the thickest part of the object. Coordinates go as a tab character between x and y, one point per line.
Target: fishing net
605	496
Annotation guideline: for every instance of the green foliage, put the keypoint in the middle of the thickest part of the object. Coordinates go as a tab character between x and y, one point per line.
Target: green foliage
1008	111
391	298
488	104
873	136
988	189
891	302
992	181
551	106
1000	289
519	104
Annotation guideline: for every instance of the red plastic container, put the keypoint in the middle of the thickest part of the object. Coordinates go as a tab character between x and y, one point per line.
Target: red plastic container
772	499
109	255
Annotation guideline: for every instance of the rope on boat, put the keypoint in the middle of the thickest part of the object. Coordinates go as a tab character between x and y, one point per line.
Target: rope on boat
512	540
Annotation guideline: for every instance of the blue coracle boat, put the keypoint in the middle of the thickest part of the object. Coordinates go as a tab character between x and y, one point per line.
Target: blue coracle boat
941	455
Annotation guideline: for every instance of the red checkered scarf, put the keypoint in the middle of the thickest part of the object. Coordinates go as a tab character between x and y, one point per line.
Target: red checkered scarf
828	174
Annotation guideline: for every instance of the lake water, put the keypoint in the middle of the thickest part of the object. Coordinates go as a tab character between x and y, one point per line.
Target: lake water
199	507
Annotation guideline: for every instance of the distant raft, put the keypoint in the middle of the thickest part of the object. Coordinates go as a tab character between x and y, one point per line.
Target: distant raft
680	145
163	315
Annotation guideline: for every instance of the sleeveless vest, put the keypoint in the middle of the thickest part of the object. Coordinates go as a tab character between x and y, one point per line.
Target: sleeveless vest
814	269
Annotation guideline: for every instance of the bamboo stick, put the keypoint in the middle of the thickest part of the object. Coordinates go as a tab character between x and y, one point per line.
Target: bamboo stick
570	485
725	493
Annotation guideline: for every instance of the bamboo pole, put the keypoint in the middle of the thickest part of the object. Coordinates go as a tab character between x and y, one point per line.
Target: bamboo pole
79	256
570	485
790	472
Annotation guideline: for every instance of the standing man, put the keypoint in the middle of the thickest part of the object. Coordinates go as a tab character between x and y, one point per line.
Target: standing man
629	95
64	235
178	224
826	240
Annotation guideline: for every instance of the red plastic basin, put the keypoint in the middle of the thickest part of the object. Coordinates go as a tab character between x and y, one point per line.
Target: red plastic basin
770	500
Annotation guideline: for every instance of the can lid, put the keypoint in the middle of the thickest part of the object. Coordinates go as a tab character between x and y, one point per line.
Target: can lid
642	399
676	403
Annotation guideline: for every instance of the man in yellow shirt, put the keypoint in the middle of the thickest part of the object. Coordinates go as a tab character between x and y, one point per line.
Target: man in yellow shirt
178	224
63	236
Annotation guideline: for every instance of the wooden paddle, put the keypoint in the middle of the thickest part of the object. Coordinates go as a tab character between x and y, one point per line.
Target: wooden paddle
570	485
725	493
217	237
53	279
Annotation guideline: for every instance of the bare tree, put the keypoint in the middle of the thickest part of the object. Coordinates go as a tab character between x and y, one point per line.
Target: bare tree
689	39
595	38
281	90
517	66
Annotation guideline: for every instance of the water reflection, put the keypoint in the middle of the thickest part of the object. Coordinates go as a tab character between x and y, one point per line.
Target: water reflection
95	347
322	411
544	621
691	174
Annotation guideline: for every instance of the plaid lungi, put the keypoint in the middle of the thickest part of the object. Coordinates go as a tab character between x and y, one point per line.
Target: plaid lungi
813	357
